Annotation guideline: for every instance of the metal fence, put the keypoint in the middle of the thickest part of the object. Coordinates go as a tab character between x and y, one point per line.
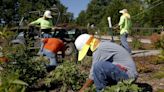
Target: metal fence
136	31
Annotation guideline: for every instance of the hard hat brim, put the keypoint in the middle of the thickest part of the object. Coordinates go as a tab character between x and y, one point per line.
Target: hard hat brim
82	53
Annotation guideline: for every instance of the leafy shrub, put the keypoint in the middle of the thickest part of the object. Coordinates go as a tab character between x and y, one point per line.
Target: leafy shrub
158	75
10	82
124	86
67	76
159	59
142	67
29	68
6	35
136	44
157	40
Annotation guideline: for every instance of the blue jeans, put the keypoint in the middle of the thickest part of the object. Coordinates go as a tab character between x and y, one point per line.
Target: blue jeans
124	42
51	56
105	73
46	35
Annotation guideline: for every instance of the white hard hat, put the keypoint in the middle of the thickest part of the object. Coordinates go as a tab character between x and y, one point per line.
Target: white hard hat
123	11
85	42
81	41
47	14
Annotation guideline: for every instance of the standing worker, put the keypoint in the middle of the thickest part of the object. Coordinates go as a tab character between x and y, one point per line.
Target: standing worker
125	25
46	25
50	48
111	62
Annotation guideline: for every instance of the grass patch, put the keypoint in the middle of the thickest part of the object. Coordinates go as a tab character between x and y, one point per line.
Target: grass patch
160	90
158	75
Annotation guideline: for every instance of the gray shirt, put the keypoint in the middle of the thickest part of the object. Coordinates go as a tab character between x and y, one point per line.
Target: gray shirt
108	51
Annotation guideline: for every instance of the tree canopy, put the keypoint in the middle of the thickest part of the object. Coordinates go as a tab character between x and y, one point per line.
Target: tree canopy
146	13
13	10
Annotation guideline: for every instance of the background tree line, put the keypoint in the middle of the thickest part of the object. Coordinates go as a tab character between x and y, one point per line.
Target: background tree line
144	13
13	10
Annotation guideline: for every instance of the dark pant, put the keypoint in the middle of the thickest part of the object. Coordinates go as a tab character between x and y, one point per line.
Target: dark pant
105	73
124	42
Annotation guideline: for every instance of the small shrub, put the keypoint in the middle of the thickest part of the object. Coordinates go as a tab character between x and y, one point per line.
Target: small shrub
157	40
158	75
143	68
136	44
29	68
124	86
160	90
67	76
90	89
156	60
10	82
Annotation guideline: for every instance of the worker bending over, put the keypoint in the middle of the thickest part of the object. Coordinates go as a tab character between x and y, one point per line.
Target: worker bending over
111	62
50	48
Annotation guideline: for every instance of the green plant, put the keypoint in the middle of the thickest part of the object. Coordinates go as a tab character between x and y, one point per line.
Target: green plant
136	44
124	86
143	67
160	90
10	82
6	35
90	89
29	68
158	41
159	74
67	76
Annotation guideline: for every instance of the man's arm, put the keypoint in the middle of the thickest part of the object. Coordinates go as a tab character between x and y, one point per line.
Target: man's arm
36	22
88	83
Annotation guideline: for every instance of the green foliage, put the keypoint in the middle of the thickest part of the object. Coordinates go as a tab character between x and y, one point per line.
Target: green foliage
124	86
29	68
158	75
6	35
160	90
144	13
67	76
136	44
10	82
90	89
157	41
15	9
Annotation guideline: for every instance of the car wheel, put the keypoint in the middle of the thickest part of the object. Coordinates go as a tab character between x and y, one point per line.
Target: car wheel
69	49
70	52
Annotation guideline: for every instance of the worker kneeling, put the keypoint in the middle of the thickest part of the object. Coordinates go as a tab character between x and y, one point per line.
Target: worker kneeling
50	48
111	62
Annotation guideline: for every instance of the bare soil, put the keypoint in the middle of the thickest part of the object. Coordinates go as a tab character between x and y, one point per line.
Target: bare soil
151	73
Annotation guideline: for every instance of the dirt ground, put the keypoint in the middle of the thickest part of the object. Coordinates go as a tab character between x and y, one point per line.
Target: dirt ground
151	73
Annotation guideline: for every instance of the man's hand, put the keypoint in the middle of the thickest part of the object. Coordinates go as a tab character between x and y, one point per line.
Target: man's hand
88	83
116	26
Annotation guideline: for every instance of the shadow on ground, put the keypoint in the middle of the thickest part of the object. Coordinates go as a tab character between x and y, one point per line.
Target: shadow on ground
145	87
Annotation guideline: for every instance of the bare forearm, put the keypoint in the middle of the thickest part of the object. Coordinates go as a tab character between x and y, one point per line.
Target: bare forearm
88	83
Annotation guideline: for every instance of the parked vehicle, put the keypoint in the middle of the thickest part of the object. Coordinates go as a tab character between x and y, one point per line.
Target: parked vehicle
30	38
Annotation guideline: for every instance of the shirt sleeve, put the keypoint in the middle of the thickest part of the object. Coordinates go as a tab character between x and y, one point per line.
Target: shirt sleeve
36	22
